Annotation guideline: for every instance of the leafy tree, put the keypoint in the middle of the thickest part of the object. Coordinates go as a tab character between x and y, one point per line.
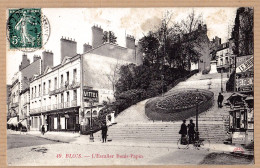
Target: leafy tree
109	37
149	46
114	75
192	44
243	33
126	77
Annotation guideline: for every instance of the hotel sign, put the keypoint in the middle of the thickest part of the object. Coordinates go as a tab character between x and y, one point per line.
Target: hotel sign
90	95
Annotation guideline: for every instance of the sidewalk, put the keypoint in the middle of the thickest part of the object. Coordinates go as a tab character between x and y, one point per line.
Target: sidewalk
76	138
66	137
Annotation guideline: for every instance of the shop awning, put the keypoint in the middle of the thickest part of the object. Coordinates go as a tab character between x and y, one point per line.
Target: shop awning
235	95
10	119
23	122
13	121
249	98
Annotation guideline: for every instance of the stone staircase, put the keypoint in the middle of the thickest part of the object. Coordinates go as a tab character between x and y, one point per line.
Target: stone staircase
133	126
164	132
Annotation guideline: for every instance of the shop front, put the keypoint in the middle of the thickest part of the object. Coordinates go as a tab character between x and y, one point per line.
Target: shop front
63	120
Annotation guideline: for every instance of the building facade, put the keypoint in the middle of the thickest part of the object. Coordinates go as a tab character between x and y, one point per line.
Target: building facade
224	57
19	90
56	96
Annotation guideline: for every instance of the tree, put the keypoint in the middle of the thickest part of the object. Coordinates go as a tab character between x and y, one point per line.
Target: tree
243	33
191	30
150	48
125	81
114	74
109	37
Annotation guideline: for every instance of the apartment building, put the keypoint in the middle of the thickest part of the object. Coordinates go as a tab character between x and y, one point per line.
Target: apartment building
14	95
224	57
19	90
57	94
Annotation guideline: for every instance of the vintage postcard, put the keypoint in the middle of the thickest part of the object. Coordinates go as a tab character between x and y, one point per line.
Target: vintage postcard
130	86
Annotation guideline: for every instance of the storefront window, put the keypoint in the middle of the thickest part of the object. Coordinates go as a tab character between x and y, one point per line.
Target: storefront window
55	123
62	122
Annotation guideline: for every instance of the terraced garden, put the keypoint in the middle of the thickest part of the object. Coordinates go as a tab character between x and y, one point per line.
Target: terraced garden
179	105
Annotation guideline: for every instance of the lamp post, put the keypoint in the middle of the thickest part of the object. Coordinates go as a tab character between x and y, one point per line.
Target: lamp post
162	83
221	80
91	138
197	116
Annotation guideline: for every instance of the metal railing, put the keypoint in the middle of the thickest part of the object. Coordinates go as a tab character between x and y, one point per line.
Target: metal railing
73	103
43	108
66	104
60	106
54	106
49	107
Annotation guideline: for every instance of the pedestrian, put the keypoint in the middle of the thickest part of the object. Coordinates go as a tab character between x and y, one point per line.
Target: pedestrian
191	131
104	132
183	132
220	100
43	130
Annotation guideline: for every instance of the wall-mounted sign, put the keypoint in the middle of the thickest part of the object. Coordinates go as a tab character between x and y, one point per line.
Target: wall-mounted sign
245	66
90	95
240	60
245	81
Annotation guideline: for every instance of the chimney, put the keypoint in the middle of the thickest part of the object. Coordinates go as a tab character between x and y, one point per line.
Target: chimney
199	27
25	62
36	57
86	47
204	27
97	36
47	59
68	47
130	42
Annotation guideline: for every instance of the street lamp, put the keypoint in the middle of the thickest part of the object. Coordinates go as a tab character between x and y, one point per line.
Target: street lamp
162	83
221	80
91	138
197	115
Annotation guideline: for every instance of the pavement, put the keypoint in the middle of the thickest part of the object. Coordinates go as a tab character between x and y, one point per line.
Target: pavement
76	150
76	138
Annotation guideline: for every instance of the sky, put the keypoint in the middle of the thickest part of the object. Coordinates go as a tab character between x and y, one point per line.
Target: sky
76	23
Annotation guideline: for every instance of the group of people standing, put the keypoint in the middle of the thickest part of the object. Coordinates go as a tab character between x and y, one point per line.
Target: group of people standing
190	130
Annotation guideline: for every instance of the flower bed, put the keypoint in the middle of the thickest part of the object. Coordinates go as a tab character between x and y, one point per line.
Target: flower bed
179	105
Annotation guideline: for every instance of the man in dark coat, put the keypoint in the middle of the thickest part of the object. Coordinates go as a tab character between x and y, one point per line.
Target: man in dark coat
220	100
191	131
104	132
183	132
43	129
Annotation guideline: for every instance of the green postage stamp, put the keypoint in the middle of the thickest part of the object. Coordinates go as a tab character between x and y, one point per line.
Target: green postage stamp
24	26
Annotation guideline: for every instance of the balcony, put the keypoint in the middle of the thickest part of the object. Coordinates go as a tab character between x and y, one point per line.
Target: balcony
14	104
73	103
60	106
48	107
66	104
43	109
54	106
35	110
